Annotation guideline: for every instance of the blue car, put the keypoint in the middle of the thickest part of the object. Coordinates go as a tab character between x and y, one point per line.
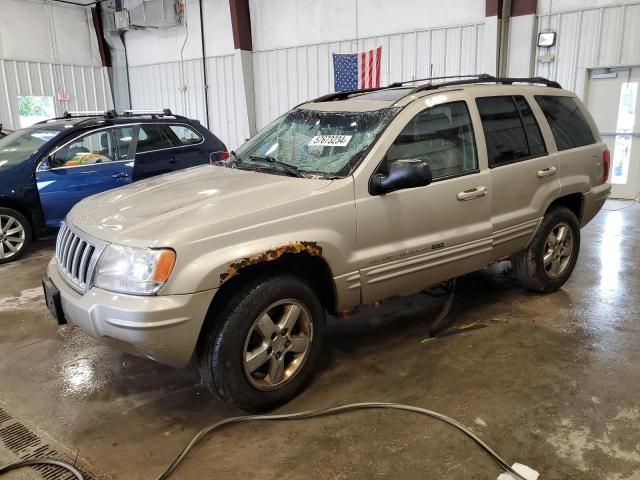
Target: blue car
47	168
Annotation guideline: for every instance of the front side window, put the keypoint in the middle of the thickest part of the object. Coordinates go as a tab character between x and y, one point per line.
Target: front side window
185	135
510	129
568	124
313	142
89	149
441	136
123	136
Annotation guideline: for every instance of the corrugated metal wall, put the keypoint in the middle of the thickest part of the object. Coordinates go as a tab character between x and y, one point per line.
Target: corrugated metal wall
287	76
88	87
180	87
598	37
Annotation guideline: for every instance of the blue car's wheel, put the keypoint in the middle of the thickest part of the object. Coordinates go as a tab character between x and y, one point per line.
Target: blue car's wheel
15	235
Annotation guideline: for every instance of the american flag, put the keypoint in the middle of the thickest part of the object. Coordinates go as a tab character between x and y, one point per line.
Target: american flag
356	70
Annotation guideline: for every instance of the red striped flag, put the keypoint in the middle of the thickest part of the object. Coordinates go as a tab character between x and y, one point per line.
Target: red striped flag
370	68
357	70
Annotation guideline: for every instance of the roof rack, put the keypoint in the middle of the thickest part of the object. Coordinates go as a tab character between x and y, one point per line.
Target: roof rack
90	113
486	78
81	114
461	80
164	112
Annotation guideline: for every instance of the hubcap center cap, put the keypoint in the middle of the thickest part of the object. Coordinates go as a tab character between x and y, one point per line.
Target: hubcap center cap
279	343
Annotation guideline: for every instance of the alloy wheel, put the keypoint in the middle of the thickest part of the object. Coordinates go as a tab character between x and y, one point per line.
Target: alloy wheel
12	236
278	344
558	250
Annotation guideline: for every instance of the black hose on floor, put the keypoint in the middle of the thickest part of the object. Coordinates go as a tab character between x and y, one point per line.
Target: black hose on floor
289	416
332	411
43	461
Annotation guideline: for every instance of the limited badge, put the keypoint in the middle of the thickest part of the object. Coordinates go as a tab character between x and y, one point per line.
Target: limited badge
330	141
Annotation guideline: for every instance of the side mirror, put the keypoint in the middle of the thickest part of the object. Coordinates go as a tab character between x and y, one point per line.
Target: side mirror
405	173
46	163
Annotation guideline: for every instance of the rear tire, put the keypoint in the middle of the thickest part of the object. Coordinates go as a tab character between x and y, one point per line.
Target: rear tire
15	235
262	348
552	254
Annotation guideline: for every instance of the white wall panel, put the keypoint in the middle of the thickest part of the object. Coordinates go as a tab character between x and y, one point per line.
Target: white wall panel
287	76
597	37
292	23
179	86
88	87
57	33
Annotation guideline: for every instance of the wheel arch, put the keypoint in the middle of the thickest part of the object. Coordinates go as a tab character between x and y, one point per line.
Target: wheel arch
573	201
303	260
24	211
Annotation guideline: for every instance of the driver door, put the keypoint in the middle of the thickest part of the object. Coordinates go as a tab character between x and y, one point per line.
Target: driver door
87	165
413	238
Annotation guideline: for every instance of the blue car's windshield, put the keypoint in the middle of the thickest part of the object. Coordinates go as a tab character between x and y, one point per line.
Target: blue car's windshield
19	145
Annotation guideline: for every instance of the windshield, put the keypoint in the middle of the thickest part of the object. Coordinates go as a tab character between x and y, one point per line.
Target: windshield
314	143
19	145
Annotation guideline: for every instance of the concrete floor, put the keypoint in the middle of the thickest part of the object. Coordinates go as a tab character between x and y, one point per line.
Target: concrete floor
552	381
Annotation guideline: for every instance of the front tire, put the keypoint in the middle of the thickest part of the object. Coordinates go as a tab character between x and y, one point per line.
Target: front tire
552	254
15	235
263	347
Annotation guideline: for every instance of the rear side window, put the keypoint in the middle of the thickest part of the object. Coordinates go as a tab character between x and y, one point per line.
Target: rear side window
568	124
185	135
510	129
151	137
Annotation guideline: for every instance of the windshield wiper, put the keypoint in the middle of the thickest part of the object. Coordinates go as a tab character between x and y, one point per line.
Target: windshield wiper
290	169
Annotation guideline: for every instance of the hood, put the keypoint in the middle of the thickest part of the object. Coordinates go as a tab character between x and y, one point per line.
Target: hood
157	211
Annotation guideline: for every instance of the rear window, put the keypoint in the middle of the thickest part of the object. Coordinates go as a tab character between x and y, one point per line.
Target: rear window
510	129
568	124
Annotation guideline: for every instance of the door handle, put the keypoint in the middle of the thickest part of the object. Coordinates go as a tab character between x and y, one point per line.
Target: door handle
547	172
172	159
120	175
471	193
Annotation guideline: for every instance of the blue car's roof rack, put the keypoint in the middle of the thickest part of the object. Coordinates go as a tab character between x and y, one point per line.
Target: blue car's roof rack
112	114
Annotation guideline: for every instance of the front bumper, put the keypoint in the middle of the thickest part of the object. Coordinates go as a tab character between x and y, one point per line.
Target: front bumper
162	328
593	201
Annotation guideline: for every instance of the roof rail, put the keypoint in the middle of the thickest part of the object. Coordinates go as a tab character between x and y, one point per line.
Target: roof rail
463	80
486	78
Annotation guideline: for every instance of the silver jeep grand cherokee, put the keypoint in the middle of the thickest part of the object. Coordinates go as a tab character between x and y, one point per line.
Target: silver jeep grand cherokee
345	200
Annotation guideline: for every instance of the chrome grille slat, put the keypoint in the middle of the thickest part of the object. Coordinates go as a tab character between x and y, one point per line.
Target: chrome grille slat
71	252
75	266
77	256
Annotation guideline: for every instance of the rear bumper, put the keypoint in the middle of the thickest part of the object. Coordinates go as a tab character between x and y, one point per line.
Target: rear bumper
593	201
162	328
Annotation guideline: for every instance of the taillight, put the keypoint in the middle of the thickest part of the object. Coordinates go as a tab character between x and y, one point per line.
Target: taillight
606	165
223	155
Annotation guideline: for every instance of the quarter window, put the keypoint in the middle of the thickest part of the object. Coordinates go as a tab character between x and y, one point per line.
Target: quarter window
441	136
510	129
186	135
568	124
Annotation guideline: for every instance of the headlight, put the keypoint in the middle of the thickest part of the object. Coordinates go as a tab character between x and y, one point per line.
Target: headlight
136	271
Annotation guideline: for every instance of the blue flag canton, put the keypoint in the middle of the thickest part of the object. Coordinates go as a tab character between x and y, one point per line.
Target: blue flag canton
345	71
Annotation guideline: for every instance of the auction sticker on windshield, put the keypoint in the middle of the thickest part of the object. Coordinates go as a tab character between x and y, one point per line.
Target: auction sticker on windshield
330	141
